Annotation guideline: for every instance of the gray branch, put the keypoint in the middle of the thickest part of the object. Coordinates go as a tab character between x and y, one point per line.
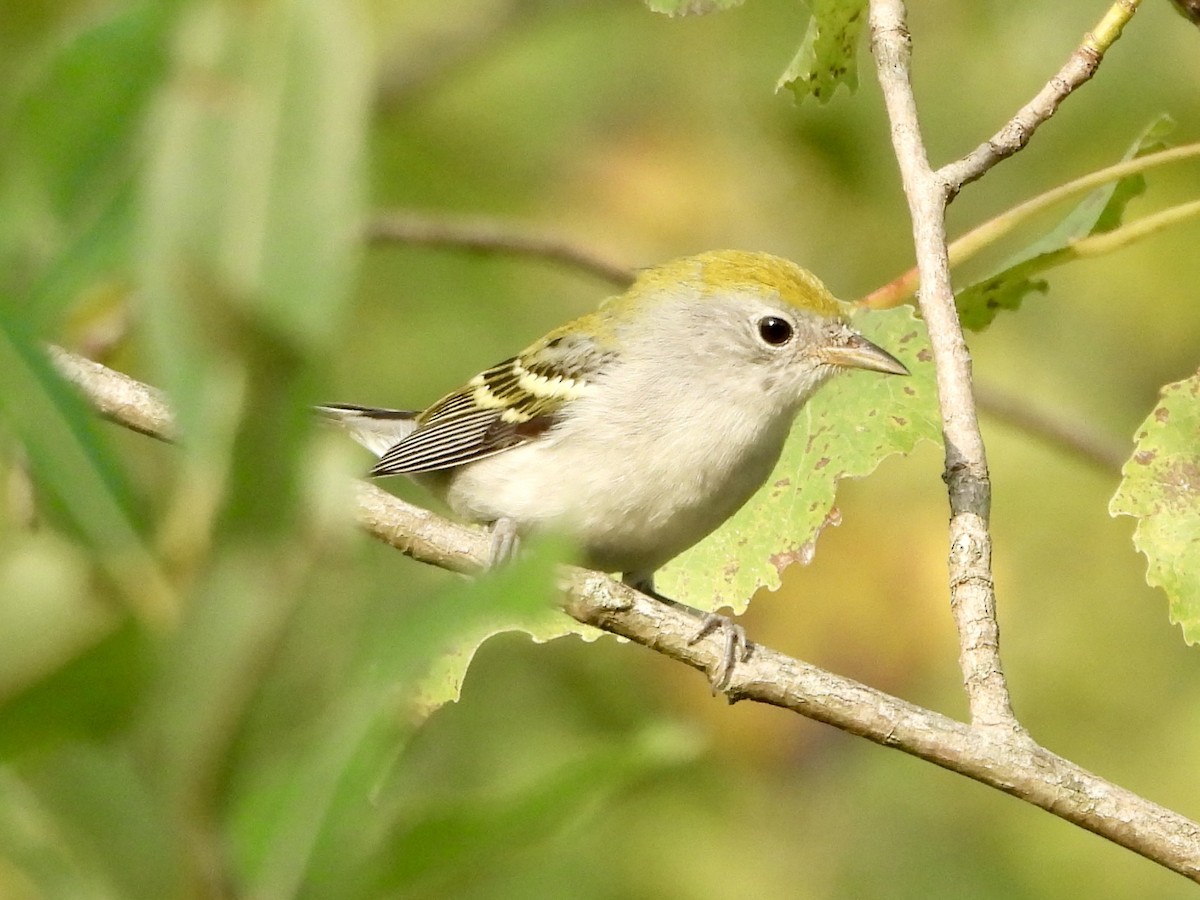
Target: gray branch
929	192
972	592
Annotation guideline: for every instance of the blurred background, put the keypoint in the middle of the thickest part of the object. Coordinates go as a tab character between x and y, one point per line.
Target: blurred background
219	703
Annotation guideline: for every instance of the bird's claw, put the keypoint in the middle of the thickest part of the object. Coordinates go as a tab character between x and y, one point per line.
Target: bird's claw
736	649
506	542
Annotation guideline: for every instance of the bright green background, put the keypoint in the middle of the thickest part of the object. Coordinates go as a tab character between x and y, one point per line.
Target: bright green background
263	736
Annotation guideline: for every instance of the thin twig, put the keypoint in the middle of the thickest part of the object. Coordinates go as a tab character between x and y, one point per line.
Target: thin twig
972	592
489	236
1007	762
1073	437
1015	134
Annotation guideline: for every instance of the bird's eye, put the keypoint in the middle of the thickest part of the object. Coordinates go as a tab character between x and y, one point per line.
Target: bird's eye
775	331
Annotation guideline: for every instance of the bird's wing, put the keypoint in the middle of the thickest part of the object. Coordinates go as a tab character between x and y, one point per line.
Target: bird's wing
510	404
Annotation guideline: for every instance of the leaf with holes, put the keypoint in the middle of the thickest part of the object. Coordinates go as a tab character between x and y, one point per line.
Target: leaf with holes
828	55
1160	487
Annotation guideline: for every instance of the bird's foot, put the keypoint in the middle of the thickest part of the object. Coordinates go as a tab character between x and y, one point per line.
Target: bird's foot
737	646
506	543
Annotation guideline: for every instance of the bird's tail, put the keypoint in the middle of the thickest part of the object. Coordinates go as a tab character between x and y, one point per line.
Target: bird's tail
376	429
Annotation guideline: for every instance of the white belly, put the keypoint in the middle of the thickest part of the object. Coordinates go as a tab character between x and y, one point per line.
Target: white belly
632	498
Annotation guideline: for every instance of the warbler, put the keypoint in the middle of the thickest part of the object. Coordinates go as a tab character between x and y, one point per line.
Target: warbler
638	428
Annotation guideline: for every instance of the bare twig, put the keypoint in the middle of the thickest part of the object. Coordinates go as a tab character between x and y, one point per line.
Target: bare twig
1018	767
489	236
1073	437
1015	134
972	592
118	397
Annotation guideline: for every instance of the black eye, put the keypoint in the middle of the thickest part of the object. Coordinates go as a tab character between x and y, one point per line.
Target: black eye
775	331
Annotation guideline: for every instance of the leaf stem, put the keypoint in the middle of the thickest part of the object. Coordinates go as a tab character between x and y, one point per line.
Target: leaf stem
1107	241
903	287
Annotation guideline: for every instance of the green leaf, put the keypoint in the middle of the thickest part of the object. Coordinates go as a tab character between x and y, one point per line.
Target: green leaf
48	613
99	824
691	7
432	847
1100	211
84	698
1160	487
249	234
845	431
828	55
80	117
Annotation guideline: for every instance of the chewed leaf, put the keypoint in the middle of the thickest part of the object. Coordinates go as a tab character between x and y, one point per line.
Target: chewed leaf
828	54
691	7
1160	487
845	431
978	304
1100	211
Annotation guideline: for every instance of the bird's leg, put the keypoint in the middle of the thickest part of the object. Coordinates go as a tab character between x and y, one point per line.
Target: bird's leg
737	647
506	542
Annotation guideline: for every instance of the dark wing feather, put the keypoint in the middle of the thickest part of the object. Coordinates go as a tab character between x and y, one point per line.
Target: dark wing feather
509	404
447	443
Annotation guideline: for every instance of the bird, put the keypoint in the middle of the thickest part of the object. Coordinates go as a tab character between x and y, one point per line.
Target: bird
638	428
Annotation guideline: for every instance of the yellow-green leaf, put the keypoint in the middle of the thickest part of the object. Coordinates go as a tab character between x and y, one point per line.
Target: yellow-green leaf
828	55
1160	487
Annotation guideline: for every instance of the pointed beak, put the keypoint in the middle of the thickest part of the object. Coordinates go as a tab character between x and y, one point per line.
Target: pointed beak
854	351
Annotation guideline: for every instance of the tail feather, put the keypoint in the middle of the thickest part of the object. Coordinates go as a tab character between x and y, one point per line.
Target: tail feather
375	428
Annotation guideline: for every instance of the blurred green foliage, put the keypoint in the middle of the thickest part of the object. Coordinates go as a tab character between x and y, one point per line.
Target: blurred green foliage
209	681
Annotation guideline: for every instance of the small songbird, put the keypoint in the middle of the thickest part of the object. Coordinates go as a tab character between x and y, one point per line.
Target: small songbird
638	428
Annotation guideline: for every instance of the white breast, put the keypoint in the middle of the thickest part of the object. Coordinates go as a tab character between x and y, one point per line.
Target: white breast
633	487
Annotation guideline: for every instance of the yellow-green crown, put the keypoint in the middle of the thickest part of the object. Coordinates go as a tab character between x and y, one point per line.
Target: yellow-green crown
720	270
